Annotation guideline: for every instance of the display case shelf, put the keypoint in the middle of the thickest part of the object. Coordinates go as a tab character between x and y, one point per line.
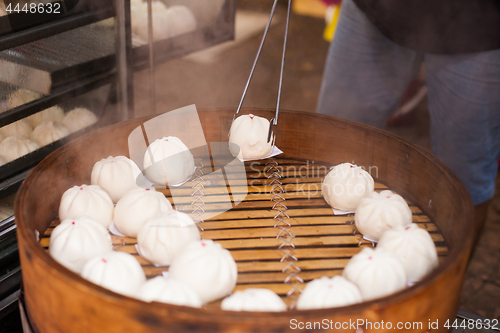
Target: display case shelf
16	29
63	94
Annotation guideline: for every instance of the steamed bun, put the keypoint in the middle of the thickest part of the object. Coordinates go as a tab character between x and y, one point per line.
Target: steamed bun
48	132
377	273
346	185
249	133
54	113
20	97
20	127
380	212
78	119
414	247
14	147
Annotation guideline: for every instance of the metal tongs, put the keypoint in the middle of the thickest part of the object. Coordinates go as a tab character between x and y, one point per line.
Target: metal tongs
274	121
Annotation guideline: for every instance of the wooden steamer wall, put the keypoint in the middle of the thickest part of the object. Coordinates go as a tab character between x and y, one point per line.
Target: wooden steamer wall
281	235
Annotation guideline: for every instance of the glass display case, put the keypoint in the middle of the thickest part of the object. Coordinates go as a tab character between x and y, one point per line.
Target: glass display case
51	66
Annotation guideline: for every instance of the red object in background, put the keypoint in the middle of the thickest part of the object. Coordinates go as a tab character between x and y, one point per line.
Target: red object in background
405	113
331	2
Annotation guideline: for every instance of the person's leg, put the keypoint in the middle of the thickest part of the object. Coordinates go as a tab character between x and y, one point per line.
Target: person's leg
464	105
365	74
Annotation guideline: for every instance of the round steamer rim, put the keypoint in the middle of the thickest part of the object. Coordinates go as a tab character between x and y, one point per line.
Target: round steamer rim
206	315
346	216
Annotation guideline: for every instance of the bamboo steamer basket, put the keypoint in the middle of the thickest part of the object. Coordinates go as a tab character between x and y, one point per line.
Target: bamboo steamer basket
58	300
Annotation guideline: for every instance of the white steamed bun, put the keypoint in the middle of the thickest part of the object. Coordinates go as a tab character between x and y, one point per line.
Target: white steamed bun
48	132
328	292
207	268
164	235
117	271
167	22
20	97
168	161
168	290
376	273
414	247
182	20
136	206
116	175
254	299
380	212
16	146
345	185
249	133
54	113
20	127
161	25
75	241
87	200
78	119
